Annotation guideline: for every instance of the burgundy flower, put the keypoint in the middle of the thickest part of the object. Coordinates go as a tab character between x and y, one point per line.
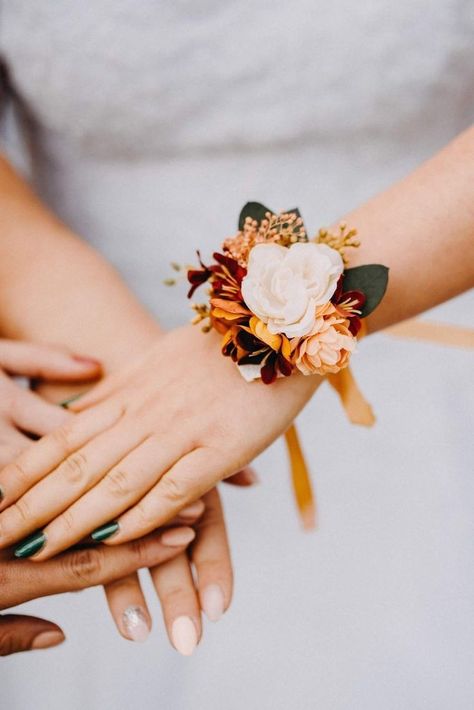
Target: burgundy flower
197	277
349	304
237	271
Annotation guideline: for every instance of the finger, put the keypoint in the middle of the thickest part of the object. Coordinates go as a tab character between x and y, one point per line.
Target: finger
192	476
52	498
190	514
124	485
35	415
128	607
104	389
82	568
174	585
12	443
244	478
46	362
26	633
101	391
211	558
44	455
126	599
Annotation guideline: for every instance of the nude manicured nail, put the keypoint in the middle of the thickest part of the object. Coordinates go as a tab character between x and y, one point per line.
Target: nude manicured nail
47	639
86	361
193	511
252	476
177	537
212	602
184	635
135	623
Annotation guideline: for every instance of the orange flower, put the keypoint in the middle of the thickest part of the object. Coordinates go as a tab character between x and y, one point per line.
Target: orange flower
328	347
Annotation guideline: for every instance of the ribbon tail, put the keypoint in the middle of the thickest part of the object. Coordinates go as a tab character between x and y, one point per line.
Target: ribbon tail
356	406
441	333
302	487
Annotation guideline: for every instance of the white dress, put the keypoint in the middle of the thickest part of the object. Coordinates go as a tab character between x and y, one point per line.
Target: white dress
148	125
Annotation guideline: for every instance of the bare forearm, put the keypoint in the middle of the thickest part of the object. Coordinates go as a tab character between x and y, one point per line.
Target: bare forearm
55	288
423	229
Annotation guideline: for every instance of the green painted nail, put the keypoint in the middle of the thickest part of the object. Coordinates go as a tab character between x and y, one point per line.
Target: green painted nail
31	545
66	402
2	494
105	531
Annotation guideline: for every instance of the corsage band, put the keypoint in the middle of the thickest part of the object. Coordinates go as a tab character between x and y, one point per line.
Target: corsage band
284	302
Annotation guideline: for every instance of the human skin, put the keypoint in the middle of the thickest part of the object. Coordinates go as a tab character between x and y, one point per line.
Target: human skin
24	411
73	571
36	252
144	444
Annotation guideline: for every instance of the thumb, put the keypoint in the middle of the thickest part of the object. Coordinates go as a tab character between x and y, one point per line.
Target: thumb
26	633
46	362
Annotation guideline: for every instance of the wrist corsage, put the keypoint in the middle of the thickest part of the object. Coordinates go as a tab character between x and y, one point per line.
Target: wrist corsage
284	302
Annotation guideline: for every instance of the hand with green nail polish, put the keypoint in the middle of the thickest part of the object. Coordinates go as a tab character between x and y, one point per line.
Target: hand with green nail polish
23	580
145	444
183	595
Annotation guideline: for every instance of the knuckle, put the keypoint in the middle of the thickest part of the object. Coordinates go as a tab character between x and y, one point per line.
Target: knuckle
146	514
18	474
22	511
67	521
74	468
173	595
83	566
173	489
118	483
140	552
62	439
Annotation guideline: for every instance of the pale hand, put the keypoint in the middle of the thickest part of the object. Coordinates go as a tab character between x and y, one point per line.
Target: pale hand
148	442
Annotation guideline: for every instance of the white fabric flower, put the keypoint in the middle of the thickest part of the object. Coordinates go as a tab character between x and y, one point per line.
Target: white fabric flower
284	285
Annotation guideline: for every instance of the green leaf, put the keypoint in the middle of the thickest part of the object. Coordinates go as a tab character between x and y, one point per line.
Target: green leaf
255	210
372	280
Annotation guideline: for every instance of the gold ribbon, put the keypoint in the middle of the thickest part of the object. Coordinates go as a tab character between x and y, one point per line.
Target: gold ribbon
439	333
301	480
358	409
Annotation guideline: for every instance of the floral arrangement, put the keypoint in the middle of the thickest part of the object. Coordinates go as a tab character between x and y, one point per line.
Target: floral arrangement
283	302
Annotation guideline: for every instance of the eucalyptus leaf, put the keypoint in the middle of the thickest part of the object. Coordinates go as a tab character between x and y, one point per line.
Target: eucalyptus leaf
372	280
255	210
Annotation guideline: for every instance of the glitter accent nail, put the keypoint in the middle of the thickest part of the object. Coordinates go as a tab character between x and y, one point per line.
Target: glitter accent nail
135	623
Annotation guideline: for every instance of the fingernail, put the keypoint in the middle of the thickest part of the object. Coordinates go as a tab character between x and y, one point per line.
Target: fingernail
2	494
89	361
47	639
177	537
135	623
252	476
66	402
105	531
193	511
212	602
31	545
184	635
